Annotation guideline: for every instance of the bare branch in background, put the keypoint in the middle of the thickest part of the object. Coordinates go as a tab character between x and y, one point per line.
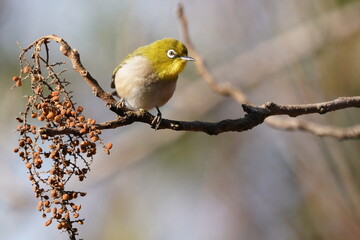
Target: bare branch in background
290	110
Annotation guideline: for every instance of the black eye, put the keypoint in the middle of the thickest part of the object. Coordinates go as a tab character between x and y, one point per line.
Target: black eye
171	53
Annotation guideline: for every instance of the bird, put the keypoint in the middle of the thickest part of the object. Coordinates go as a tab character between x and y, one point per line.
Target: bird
147	77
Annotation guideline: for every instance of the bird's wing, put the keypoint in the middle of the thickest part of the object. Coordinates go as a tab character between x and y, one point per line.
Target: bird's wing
135	53
113	75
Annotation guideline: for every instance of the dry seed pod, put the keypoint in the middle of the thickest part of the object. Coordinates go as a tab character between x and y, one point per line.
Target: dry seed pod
76	215
48	222
15	78
39	205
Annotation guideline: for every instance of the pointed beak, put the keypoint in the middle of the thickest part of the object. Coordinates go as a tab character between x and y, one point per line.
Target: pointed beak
186	58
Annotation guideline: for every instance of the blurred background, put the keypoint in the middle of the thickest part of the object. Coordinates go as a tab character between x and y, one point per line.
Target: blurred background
263	184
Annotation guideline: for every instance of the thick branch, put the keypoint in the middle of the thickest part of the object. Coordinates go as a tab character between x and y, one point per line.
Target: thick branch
254	115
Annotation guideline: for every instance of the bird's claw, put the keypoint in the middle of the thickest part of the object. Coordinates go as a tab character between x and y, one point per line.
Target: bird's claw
121	103
155	123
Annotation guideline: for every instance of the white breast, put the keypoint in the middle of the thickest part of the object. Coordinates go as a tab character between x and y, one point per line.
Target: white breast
136	82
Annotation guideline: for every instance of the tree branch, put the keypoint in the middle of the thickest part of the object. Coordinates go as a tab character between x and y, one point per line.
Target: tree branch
255	115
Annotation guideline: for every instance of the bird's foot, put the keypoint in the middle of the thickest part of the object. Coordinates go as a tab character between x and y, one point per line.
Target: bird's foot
121	103
155	123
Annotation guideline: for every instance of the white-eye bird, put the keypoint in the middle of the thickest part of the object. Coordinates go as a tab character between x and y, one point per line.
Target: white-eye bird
146	78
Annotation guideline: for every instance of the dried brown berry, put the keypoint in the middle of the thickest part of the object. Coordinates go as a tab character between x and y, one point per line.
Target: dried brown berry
50	116
34	115
81	118
57	118
53	193
109	145
26	69
18	83
38	161
28	165
59	226
28	140
80	109
66	197
21	143
74	195
15	78
41	118
55	98
46	203
60	210
67	104
107	151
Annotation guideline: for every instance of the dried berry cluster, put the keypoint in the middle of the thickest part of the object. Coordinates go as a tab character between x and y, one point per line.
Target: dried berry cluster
54	160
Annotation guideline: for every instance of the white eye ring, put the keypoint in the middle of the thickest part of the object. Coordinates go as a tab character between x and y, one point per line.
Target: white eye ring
171	53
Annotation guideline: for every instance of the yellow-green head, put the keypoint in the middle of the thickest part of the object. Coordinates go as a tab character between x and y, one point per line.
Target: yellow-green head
168	57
